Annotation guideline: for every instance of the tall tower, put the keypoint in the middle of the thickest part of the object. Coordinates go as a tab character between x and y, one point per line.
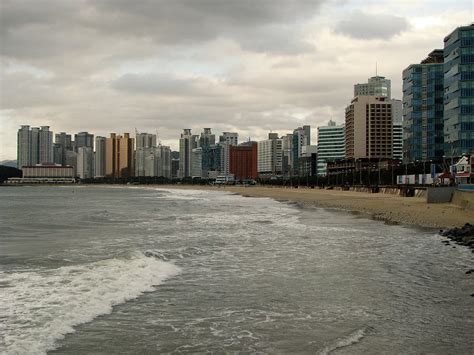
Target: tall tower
34	146
369	128
100	144
423	132
187	143
459	92
119	158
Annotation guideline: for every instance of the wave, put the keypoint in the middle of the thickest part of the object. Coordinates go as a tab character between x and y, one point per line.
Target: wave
347	340
39	308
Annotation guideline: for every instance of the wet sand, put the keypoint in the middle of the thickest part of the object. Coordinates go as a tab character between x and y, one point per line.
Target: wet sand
390	208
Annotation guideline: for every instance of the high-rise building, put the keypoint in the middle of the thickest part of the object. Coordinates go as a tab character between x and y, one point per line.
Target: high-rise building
196	163
423	133
226	140
83	139
85	162
145	140
376	86
243	161
331	145
301	138
287	154
459	92
119	156
206	141
34	146
100	156
24	147
63	143
369	128
397	134
187	143
164	166
45	148
270	157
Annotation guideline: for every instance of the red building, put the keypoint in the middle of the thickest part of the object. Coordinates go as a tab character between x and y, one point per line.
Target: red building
243	161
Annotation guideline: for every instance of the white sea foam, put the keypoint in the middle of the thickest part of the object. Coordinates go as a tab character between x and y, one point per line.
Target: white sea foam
40	308
347	340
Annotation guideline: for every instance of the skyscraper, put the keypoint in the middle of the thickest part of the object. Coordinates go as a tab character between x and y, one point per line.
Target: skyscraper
119	160
423	133
226	140
63	143
83	139
206	142
34	146
459	92
100	144
270	156
369	128
85	159
331	145
243	161
376	86
397	133
145	140
301	138
187	143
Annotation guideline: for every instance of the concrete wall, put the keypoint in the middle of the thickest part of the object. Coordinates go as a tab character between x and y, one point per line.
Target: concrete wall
464	199
439	194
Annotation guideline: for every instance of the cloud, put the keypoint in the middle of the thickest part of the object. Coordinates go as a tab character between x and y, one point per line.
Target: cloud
362	25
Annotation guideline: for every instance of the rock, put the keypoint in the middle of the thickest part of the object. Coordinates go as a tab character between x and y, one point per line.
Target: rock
469	271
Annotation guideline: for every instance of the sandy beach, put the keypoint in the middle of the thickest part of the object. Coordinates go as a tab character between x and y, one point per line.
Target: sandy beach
390	208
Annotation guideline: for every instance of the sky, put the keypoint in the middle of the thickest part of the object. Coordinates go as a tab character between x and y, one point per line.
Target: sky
250	66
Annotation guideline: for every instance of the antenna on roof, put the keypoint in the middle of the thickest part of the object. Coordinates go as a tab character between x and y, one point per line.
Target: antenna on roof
376	69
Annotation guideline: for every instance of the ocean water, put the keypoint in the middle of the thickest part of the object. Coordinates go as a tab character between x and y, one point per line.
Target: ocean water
147	270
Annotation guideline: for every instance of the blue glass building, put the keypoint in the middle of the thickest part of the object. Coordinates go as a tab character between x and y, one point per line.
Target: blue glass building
423	128
459	91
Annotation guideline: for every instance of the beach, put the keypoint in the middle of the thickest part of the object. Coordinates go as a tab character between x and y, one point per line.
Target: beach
390	208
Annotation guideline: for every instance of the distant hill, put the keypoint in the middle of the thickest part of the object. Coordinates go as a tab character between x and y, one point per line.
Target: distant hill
11	163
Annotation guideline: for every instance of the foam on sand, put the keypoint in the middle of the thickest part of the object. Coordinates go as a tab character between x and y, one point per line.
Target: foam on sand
39	308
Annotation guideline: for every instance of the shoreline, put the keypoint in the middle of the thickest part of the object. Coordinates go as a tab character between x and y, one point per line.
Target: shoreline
391	209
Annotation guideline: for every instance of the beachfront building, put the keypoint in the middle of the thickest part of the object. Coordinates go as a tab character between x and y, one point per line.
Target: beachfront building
99	156
397	134
269	156
459	92
423	91
119	156
85	162
187	143
243	161
331	145
301	138
196	163
226	140
369	128
34	146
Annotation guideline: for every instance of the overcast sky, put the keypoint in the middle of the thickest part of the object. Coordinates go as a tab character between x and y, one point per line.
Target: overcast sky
161	66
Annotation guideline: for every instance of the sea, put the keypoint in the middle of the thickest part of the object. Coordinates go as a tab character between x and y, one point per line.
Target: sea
148	270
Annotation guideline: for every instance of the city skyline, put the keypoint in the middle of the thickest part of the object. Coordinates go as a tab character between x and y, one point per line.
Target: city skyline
247	69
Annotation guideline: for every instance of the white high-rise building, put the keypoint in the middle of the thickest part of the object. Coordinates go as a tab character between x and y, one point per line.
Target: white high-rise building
100	144
34	146
270	156
226	140
85	162
331	145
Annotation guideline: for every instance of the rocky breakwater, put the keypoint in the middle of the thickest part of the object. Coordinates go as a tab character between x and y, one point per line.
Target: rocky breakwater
461	236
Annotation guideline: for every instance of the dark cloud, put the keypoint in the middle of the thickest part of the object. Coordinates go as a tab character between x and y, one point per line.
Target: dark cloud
47	28
362	25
